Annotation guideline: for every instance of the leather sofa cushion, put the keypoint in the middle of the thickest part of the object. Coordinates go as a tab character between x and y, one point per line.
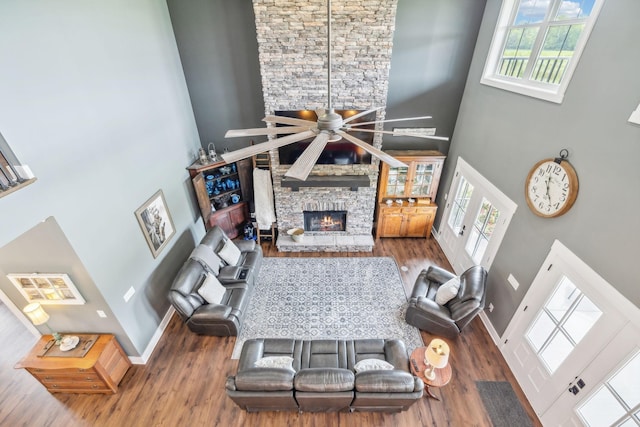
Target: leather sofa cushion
384	382
324	380
265	379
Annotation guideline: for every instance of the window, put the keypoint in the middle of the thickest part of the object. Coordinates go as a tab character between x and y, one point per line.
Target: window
482	230
562	323
13	175
617	402
537	45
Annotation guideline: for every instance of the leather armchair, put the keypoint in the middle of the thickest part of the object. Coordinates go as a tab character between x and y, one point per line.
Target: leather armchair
449	319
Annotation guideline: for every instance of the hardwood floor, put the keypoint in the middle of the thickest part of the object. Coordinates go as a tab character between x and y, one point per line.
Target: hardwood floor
183	381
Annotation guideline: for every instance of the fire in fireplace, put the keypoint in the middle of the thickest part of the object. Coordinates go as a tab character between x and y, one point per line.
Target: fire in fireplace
325	220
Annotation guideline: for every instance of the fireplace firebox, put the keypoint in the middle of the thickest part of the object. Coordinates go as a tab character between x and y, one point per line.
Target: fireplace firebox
325	221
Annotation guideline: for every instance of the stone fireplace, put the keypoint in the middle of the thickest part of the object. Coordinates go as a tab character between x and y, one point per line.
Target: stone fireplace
292	44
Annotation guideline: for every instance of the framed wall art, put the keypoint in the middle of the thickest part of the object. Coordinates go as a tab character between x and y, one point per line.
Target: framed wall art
156	223
47	288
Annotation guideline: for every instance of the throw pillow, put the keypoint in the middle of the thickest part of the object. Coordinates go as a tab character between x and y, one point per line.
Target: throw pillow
372	365
283	362
230	253
447	291
211	290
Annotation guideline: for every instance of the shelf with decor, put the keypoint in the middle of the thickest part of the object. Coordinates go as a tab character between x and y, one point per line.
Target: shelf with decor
406	196
221	191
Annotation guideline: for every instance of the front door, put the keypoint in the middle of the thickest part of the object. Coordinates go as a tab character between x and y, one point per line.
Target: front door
565	321
475	219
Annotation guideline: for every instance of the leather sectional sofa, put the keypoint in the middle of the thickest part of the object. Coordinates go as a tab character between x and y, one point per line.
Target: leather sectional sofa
223	318
322	376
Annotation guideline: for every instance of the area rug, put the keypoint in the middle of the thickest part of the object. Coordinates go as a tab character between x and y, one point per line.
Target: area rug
328	298
502	404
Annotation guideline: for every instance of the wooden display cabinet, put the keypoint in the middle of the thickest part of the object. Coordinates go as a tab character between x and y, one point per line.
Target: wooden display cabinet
223	193
419	183
100	370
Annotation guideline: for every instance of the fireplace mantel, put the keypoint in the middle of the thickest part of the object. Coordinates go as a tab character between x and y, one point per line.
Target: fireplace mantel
350	181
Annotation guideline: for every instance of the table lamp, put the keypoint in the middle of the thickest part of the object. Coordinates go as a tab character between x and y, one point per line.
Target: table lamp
436	356
38	316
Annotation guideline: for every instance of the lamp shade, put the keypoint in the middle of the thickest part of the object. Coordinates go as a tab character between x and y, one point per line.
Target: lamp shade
437	353
36	313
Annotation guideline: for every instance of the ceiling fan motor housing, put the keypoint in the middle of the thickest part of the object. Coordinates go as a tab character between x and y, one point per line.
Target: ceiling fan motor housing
331	121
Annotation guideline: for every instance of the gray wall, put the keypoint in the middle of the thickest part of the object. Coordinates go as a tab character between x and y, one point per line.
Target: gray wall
93	99
502	134
219	53
433	45
432	49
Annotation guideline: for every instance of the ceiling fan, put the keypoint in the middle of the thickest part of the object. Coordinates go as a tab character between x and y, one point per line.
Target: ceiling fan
330	126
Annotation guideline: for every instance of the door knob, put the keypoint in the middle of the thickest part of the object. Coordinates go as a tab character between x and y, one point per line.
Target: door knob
462	230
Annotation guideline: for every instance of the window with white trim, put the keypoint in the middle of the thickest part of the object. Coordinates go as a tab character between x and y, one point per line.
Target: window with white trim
537	44
13	174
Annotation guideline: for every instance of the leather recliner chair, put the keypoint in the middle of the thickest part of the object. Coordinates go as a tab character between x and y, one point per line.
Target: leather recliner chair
449	319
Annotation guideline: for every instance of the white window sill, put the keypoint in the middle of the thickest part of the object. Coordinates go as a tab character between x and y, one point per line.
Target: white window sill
17	187
534	92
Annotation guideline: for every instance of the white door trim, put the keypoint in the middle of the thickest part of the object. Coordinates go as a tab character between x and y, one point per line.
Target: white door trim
484	187
626	307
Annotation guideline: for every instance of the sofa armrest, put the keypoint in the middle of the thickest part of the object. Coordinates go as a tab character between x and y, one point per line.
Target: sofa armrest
245	245
252	350
438	275
421	286
396	353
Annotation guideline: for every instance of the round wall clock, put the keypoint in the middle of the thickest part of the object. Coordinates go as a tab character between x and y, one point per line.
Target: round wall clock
551	187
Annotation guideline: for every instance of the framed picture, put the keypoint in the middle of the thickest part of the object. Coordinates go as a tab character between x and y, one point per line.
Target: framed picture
155	222
47	288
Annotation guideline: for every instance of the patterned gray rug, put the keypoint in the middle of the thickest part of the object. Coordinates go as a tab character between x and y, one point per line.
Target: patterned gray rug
328	298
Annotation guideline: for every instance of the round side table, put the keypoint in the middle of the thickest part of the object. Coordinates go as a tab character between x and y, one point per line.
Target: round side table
443	375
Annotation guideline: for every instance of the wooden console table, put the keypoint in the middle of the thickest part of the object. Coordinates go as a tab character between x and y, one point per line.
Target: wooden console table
100	370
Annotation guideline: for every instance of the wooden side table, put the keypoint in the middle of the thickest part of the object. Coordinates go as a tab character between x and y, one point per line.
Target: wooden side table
100	370
443	375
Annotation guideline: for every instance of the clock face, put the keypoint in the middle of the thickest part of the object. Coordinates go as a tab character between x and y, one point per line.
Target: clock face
551	188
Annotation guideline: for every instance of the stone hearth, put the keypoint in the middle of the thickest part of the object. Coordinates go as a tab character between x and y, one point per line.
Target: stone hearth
292	44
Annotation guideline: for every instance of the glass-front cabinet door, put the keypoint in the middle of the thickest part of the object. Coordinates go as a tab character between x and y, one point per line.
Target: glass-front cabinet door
396	182
418	180
422	179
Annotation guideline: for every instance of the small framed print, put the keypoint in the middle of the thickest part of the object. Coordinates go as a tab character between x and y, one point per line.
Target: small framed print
156	224
47	288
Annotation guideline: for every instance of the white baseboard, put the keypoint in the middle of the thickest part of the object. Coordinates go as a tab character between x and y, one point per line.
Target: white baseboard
492	332
142	360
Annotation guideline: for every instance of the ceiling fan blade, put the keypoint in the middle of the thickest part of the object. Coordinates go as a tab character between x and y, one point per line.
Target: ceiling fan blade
357	116
234	133
288	121
390	120
303	165
252	150
392	161
388	132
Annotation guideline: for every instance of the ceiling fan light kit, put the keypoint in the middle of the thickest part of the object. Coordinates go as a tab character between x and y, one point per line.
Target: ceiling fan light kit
329	127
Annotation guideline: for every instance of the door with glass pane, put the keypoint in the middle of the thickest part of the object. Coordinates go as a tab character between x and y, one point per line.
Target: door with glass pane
607	392
563	323
475	219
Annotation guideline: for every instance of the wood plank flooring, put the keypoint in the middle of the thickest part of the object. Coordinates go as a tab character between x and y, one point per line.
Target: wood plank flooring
183	382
